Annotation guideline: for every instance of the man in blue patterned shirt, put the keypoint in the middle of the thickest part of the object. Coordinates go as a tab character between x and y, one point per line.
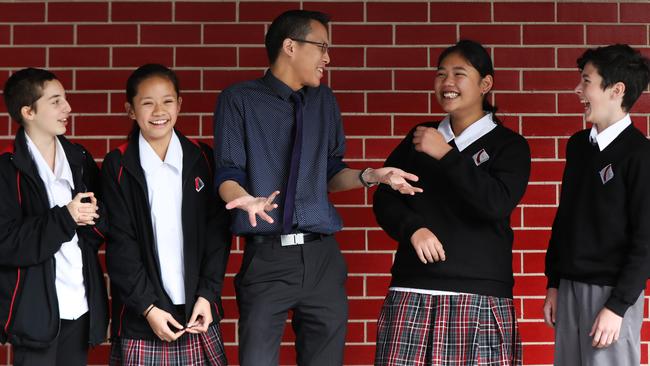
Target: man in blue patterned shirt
281	137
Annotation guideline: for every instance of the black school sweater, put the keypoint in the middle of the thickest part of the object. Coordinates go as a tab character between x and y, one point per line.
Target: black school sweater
467	206
601	230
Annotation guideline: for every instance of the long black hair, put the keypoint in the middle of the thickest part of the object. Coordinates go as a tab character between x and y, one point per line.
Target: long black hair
480	59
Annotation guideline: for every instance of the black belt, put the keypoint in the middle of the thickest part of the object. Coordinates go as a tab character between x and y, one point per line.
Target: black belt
285	240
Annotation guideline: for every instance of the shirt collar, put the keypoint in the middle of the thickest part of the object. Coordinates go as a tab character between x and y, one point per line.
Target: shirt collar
281	89
605	137
472	133
61	167
150	161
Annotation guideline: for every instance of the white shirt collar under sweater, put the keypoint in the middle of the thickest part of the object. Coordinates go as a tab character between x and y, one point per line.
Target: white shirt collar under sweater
165	193
605	137
70	289
472	133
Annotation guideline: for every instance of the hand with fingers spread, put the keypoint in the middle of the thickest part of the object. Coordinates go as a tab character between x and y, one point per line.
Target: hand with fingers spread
550	307
396	178
606	328
431	142
83	213
159	321
255	206
201	317
427	246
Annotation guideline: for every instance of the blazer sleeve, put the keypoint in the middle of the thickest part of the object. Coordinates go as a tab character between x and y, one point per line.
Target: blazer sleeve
94	235
123	259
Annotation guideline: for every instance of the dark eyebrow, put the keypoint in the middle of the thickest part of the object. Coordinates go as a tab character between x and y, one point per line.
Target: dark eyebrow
54	96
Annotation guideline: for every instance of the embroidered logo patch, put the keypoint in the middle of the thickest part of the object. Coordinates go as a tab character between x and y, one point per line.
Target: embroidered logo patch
198	184
480	157
606	174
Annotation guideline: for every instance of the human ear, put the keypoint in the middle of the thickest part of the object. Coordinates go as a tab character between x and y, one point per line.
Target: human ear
129	110
486	84
27	113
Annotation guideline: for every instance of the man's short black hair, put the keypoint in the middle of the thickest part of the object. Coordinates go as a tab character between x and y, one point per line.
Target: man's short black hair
620	63
290	24
23	89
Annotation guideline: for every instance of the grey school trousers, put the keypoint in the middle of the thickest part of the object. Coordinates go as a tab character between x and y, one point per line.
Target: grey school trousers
578	304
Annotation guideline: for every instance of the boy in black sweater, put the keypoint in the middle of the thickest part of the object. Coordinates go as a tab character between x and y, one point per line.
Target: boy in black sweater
597	258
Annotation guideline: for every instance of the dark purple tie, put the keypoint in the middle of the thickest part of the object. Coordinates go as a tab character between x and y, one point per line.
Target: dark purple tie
290	192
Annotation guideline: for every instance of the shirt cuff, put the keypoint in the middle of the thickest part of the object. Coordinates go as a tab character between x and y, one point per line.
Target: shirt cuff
334	165
224	174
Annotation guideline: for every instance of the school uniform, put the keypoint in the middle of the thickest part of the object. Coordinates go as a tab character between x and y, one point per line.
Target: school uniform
169	245
598	252
461	309
53	303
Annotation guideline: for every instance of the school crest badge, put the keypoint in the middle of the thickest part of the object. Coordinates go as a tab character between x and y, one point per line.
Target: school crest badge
198	184
606	173
480	157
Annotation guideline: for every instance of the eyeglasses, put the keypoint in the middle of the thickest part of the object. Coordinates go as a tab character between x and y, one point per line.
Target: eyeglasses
324	47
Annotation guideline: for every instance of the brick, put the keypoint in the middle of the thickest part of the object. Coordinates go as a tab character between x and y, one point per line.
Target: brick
379	240
526	102
506	80
397	102
553	34
206	56
642	104
536	332
346	56
350	197
253	57
491	34
102	125
380	148
396	12
351	102
264	11
361	34
414	79
425	34
356	332
77	12
189	125
404	124
549	80
354	286
566	58
133	11
530	285
43	34
586	13
561	147
635	12
361	79
198	102
233	34
351	239
535	262
168	34
539	216
453	12
5	32
546	171
369	262
551	125
107	34
221	79
396	57
99	354
531	239
339	11
542	148
205	12
365	308
357	217
88	102
105	79
569	103
524	12
189	79
606	34
374	125
22	12
377	285
524	57
136	56
540	353
532	308
515	217
359	354
79	57
97	147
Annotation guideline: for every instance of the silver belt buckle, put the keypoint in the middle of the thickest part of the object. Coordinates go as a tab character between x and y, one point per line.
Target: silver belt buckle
292	239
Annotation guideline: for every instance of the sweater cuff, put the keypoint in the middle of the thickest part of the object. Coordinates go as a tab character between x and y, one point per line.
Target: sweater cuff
553	282
410	227
617	306
207	294
68	221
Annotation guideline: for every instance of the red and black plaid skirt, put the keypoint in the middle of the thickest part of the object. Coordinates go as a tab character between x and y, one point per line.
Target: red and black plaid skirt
418	329
190	349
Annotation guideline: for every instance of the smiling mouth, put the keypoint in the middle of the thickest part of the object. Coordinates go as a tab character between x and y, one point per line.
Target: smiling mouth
585	104
159	122
450	95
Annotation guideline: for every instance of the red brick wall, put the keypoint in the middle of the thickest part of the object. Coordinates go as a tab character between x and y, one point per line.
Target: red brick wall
382	68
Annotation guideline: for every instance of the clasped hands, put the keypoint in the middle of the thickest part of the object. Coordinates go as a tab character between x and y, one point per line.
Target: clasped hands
83	213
